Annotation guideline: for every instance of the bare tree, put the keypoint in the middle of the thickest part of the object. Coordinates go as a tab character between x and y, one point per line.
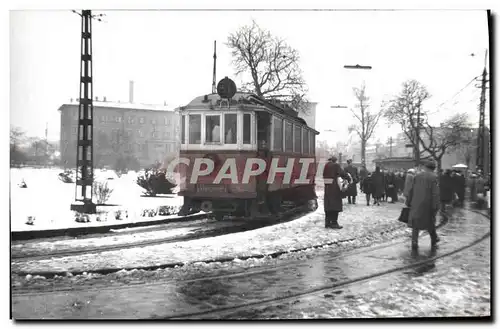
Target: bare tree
17	137
270	65
406	110
367	121
325	150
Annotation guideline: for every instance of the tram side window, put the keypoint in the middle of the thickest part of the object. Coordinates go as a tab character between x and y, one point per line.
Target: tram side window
247	128
288	137
183	129
230	128
194	128
305	141
312	142
278	134
298	139
212	129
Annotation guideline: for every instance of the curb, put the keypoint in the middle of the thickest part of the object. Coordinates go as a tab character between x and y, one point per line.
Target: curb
77	231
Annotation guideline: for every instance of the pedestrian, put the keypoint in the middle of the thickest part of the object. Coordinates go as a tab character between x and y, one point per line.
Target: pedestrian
333	194
410	175
459	187
378	186
367	187
423	200
473	187
391	187
352	190
363	173
480	186
446	189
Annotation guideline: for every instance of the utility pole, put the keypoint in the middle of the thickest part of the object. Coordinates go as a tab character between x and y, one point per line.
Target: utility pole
85	149
481	130
390	146
417	139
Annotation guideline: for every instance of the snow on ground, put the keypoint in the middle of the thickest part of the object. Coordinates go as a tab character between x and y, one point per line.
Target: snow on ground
358	221
49	200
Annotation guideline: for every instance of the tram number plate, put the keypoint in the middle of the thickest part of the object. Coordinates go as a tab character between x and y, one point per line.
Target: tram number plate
211	188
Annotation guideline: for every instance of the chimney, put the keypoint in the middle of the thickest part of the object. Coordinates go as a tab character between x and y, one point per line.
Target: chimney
104	98
131	92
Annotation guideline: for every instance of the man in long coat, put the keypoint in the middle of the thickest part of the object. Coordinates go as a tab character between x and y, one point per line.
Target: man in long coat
446	189
459	187
352	190
378	185
333	194
423	201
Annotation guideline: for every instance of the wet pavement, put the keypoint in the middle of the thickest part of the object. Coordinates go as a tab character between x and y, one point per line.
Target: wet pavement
231	294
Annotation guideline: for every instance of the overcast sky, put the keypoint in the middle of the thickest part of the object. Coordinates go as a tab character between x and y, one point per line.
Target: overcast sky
169	56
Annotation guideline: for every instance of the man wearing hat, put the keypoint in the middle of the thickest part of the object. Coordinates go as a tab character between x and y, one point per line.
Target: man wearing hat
333	194
352	190
423	200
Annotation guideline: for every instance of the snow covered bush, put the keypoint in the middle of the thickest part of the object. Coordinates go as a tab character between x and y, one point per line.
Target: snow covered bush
155	182
102	192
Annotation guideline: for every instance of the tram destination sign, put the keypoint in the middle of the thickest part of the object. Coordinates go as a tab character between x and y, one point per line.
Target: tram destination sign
226	88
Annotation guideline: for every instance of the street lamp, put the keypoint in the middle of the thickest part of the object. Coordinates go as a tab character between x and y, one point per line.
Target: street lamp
358	67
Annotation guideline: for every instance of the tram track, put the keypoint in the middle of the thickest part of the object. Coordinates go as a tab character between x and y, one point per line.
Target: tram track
227	310
342	253
291	296
224	227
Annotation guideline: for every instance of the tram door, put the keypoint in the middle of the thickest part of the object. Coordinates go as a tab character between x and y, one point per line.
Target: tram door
263	152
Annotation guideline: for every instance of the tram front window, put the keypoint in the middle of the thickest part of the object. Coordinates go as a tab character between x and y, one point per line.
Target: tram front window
212	129
230	128
194	128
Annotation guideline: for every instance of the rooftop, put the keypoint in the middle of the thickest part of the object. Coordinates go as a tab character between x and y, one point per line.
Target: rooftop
125	105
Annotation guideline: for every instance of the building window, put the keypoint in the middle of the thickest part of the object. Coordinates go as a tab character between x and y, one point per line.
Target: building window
305	141
74	130
141	120
118	119
153	121
183	129
140	133
168	148
166	134
230	128
297	134
103	119
288	137
212	129
167	121
247	128
155	134
278	134
194	129
131	119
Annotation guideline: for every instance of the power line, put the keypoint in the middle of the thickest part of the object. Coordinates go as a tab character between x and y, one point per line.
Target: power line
457	93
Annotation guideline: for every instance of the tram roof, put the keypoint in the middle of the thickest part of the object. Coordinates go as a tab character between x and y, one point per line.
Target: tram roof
209	101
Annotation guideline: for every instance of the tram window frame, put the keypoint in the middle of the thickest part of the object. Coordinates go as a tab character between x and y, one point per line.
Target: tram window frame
247	128
233	126
212	140
278	134
305	141
288	136
312	142
297	140
194	137
183	129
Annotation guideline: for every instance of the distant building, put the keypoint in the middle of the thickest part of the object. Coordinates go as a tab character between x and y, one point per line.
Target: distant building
145	133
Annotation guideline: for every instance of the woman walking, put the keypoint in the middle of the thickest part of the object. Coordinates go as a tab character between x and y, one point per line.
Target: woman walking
378	186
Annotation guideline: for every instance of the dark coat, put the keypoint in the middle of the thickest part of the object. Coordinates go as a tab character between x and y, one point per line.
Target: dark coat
390	186
378	184
459	186
446	188
333	195
423	201
368	185
352	190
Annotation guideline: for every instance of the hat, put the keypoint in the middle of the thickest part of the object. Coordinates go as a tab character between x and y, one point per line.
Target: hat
430	164
332	158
